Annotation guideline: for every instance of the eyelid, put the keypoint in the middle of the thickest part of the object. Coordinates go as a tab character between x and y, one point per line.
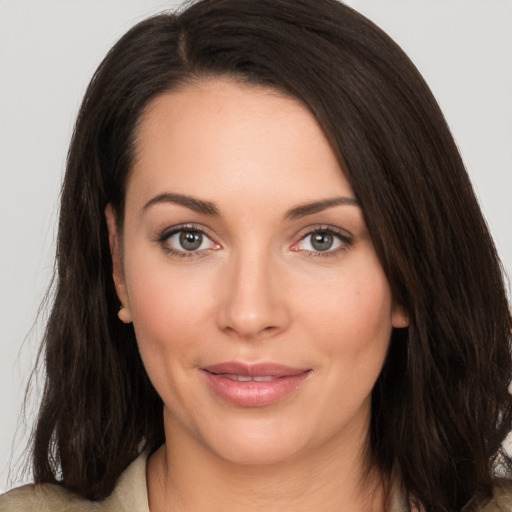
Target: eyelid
315	228
343	235
167	233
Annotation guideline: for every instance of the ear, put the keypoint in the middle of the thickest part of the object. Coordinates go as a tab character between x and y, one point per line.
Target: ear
124	313
399	317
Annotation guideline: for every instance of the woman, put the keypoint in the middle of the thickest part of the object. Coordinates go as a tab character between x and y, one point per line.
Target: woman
275	287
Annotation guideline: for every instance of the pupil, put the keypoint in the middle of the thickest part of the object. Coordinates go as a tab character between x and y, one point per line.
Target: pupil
322	241
191	240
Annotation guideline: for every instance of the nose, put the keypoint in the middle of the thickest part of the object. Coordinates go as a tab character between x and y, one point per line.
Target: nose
253	303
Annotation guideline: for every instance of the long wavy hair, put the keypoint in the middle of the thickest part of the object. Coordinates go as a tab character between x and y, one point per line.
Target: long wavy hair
441	406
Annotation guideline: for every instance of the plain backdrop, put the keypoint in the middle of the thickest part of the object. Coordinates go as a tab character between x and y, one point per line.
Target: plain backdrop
48	52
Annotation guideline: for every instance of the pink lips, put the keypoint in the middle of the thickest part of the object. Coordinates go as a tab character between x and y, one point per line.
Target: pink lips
253	385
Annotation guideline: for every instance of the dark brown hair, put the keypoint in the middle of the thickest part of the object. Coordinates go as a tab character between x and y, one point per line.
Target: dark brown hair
441	406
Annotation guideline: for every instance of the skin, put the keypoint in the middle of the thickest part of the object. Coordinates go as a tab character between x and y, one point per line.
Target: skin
257	290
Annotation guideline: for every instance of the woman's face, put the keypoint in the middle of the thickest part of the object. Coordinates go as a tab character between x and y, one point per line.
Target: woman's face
261	311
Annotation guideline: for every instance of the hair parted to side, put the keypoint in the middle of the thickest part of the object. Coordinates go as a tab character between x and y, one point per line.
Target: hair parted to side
441	406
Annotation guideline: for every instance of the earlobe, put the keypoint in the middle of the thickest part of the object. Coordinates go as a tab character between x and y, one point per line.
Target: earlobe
399	317
124	313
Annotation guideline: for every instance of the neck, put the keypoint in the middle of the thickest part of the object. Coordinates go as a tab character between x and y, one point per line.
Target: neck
184	476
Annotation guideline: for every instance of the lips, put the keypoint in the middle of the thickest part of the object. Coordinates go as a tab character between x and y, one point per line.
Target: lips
248	378
253	385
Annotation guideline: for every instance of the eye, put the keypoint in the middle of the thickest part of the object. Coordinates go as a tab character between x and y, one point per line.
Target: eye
187	240
322	241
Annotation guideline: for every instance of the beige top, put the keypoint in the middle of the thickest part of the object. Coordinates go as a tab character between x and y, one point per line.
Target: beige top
130	495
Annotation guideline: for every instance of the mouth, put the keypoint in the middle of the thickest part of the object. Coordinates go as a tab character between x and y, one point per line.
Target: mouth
253	385
247	378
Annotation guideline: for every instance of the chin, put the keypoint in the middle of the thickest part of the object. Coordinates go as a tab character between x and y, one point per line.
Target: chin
259	443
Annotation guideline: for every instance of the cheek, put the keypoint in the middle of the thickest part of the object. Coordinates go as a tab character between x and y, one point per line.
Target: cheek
169	308
361	297
172	321
350	314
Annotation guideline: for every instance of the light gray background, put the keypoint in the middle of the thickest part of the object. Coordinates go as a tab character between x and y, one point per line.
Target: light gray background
48	52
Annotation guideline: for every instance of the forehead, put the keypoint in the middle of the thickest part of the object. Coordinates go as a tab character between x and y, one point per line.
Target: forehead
220	136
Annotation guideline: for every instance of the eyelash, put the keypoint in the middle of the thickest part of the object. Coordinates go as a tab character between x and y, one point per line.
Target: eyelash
345	240
163	240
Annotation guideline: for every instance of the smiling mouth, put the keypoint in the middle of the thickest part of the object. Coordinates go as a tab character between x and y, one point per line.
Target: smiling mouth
258	385
247	378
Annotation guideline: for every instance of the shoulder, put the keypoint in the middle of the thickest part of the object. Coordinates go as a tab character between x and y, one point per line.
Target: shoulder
129	495
502	498
44	498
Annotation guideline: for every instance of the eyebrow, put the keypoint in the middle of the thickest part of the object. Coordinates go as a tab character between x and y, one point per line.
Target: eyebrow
208	208
318	206
192	203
